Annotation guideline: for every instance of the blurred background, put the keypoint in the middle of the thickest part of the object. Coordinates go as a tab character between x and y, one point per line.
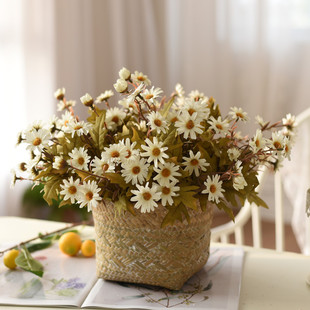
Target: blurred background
253	54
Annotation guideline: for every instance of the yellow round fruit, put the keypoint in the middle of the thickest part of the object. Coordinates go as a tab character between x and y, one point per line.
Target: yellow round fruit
70	243
9	258
88	248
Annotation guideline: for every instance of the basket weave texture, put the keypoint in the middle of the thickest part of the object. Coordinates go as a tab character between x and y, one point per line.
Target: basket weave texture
136	249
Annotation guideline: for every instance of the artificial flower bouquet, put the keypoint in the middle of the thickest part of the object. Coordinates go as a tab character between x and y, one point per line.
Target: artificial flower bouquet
175	154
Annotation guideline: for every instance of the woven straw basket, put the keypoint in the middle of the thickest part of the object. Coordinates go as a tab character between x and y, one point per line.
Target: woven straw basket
136	249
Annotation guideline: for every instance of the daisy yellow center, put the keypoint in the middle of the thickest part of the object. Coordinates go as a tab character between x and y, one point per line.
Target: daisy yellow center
115	154
72	190
136	170
147	196
277	144
81	160
158	122
78	127
194	162
212	188
37	141
190	124
115	119
166	190
240	115
23	167
191	111
257	142
174	119
156	151
166	173
149	96
141	78
66	123
219	126
128	154
89	196
105	167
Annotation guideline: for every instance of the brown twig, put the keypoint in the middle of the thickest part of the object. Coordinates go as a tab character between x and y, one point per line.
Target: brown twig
46	235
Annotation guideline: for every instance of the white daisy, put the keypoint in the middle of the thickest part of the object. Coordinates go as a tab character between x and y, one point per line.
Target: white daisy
35	126
104	96
114	153
179	90
142	126
233	153
259	120
89	195
278	141
287	148
78	128
87	100
173	116
130	149
145	197
66	118
114	118
166	173
128	104
200	107
59	163
239	182
194	163
258	141
37	140
289	121
196	95
138	90
79	158
218	125
151	94
155	151
238	113
135	171
213	188
167	192
60	93
189	125
121	86
157	122
70	189
100	166
138	77
124	74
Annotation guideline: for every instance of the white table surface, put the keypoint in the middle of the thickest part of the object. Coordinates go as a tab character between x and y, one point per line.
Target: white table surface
270	280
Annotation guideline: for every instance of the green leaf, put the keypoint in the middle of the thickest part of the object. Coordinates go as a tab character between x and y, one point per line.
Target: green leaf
253	198
175	213
99	131
171	137
32	247
115	178
25	261
222	206
51	189
186	197
135	137
166	107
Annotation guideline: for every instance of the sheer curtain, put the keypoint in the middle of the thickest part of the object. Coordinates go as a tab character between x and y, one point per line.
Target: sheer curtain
248	53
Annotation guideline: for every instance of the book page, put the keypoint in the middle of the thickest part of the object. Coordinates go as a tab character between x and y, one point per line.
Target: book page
66	280
216	286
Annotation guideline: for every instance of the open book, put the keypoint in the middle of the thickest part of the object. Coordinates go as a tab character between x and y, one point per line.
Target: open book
72	282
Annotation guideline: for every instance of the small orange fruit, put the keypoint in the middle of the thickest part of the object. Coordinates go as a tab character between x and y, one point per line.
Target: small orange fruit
9	258
88	248
70	243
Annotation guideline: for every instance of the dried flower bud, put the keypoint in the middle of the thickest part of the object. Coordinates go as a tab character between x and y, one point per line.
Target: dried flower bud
124	74
120	85
60	93
87	100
